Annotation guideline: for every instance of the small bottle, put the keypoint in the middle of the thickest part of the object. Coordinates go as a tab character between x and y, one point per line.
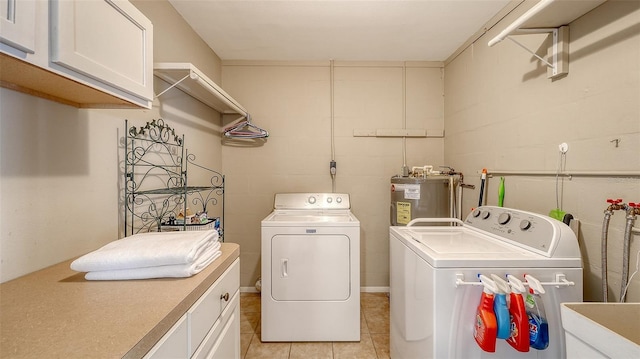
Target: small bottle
500	307
538	326
485	328
519	336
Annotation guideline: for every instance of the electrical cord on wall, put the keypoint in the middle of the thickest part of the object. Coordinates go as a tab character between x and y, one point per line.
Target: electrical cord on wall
562	160
624	293
332	164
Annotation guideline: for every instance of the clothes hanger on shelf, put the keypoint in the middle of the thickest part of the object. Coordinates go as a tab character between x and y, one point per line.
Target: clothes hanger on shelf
245	129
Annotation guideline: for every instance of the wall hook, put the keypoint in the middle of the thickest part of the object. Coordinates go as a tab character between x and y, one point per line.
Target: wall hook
617	142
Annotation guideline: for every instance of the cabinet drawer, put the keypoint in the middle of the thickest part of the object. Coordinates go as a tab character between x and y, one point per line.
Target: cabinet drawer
173	344
204	313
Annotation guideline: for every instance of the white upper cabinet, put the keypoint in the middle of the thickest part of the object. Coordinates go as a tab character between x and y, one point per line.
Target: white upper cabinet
18	24
85	53
109	41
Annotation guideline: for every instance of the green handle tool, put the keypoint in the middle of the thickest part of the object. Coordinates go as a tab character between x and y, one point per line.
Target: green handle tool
501	193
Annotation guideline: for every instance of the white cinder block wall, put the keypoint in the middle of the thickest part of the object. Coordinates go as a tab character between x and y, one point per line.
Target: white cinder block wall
502	113
293	102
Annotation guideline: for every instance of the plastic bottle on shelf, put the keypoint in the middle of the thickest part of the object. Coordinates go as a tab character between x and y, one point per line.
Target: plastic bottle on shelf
485	327
500	307
519	336
538	325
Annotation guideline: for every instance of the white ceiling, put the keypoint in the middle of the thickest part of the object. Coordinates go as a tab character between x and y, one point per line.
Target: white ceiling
350	30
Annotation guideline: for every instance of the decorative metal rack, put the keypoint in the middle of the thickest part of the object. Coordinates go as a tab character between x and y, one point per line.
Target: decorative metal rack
156	187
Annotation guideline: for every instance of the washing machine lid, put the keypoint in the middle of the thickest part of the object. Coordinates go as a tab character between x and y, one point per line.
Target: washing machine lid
493	237
462	247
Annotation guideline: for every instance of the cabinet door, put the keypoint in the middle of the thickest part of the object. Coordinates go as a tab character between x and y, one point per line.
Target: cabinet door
228	344
18	24
108	40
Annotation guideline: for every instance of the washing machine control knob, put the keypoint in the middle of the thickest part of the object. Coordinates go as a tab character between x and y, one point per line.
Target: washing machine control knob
525	224
329	199
476	213
312	199
339	199
504	218
486	214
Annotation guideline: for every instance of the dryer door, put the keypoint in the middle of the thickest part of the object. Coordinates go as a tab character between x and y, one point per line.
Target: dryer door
310	267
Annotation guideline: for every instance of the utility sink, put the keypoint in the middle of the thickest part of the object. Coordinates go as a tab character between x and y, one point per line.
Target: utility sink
601	330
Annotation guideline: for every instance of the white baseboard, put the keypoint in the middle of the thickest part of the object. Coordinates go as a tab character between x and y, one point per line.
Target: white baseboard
248	290
362	290
374	289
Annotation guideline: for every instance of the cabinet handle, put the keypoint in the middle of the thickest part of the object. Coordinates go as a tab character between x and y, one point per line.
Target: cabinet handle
225	296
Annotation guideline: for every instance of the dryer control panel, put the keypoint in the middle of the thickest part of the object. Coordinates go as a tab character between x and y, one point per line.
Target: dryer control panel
312	201
532	231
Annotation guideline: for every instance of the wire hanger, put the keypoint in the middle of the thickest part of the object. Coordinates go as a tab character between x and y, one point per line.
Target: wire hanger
245	129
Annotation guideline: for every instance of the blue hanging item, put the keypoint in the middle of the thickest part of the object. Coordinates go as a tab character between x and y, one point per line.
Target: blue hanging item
538	325
500	307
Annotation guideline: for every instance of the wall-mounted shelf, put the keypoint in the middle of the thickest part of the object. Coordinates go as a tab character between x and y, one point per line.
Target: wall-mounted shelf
549	16
405	133
193	82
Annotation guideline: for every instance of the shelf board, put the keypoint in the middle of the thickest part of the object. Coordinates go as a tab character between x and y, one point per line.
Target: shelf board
193	82
560	13
178	190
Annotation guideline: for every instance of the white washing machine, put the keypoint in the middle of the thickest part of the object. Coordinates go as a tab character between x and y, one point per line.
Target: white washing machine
434	286
311	269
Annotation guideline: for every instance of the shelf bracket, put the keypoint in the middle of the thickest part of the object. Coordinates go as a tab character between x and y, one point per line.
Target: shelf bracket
172	86
559	50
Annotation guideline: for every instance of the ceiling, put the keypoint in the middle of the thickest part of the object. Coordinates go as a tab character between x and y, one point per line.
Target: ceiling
348	30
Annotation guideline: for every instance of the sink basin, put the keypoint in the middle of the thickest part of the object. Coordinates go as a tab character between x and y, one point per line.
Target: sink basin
601	330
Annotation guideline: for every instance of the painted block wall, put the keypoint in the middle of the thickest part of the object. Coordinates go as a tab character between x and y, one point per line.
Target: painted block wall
293	102
502	113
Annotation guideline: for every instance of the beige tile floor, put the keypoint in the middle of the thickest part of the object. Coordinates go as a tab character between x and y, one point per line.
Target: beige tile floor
374	334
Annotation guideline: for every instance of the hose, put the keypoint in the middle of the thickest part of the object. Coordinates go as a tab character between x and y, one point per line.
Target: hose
603	253
625	253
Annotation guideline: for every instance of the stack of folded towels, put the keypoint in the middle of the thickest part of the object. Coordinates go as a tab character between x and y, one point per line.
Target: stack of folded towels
151	255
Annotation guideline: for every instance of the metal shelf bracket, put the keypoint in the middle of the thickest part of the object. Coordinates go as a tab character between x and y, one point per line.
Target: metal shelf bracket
558	51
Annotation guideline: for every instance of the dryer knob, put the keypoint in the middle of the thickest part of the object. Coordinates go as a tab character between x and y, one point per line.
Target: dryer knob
312	200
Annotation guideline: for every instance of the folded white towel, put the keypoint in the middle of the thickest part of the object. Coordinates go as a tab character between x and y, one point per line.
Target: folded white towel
172	271
148	250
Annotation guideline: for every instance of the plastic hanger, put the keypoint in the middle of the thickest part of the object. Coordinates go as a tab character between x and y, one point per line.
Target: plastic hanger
245	129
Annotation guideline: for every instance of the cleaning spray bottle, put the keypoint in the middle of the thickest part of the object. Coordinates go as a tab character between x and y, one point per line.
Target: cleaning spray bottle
538	326
519	336
500	307
486	328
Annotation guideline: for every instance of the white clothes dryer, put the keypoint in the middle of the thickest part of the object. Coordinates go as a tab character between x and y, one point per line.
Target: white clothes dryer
311	269
434	286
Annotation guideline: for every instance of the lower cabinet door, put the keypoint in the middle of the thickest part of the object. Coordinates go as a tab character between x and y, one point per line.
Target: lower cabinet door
223	340
228	344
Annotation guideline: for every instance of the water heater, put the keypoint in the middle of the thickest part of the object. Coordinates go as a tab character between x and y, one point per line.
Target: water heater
430	196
